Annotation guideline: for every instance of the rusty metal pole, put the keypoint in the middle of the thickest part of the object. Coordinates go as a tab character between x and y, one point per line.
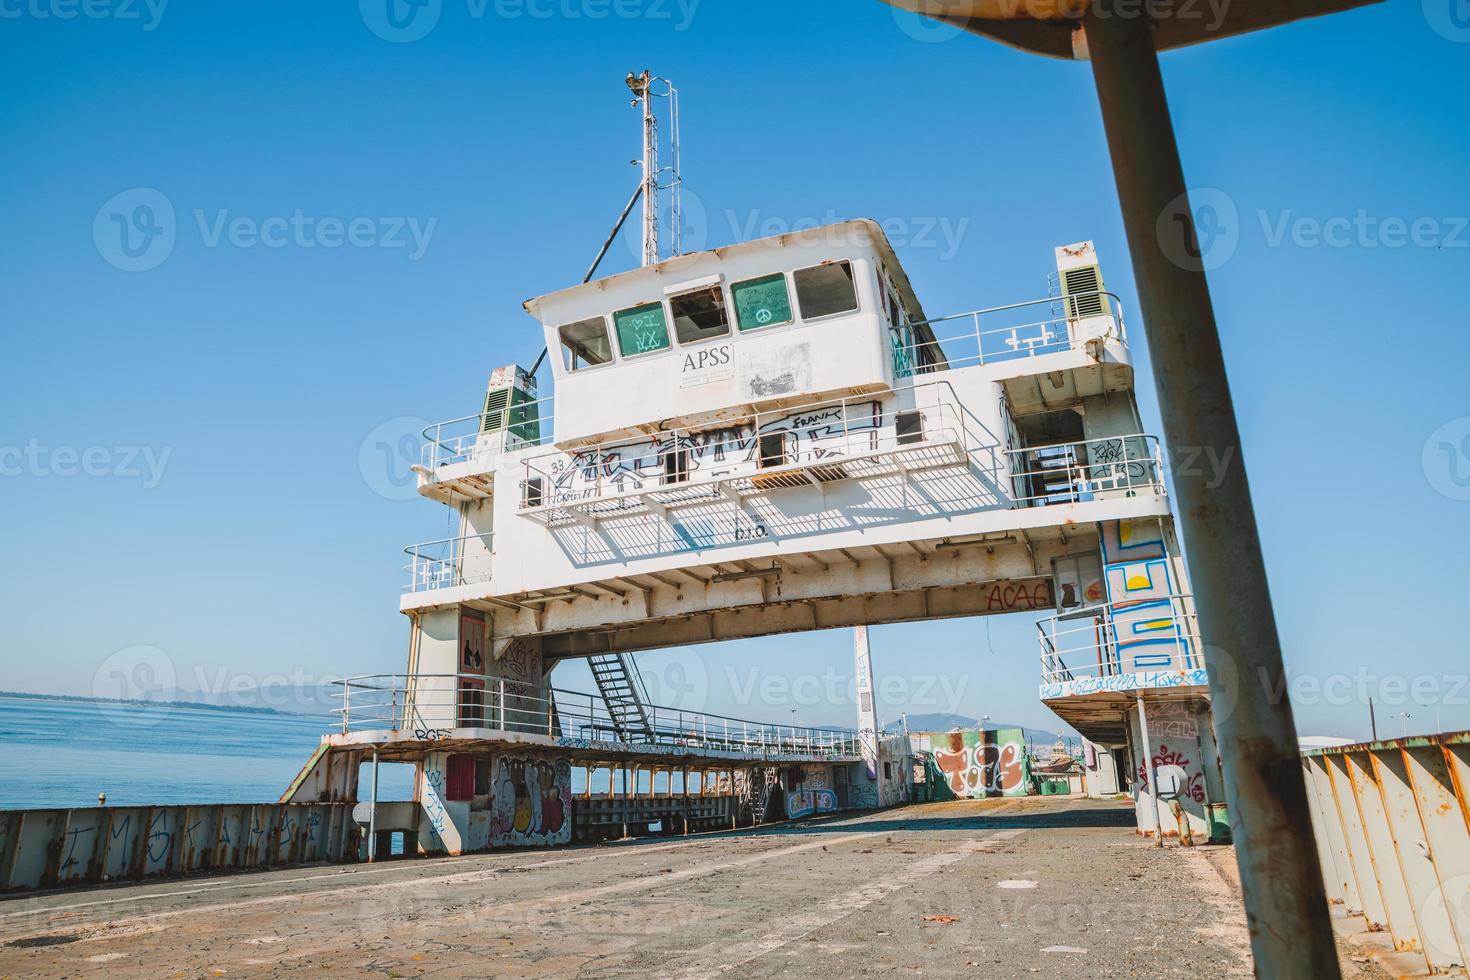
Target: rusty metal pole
1285	900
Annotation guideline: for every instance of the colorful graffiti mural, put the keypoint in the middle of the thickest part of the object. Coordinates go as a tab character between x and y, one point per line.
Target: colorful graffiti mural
807	802
1142	595
531	802
972	764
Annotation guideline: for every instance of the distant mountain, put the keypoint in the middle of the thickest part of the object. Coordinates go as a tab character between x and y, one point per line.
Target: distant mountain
170	702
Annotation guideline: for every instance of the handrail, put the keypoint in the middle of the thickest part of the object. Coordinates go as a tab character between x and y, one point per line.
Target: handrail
1080	469
1091	648
833	415
1025	339
443	448
436	702
447	562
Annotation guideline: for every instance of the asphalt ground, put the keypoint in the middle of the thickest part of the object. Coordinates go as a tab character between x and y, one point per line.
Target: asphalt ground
993	888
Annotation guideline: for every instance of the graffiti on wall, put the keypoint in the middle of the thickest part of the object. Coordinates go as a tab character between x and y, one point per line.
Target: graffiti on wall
977	764
1179	776
531	802
810	435
1195	677
806	802
1140	587
1144	621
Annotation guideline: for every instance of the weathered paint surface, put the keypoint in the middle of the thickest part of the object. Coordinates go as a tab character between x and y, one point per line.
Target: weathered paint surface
60	848
1392	822
972	763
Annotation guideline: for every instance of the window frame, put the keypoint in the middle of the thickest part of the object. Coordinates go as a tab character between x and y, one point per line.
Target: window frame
669	337
611	347
670	320
790	303
857	296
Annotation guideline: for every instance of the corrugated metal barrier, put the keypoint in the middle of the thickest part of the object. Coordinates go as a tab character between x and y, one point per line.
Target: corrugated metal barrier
1392	822
62	848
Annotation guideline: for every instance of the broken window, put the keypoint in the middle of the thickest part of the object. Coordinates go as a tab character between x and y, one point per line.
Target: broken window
676	466
585	343
699	315
909	427
482	775
825	290
773	449
642	330
763	302
533	492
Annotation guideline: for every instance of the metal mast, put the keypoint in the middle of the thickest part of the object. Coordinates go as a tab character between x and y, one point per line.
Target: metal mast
645	90
642	98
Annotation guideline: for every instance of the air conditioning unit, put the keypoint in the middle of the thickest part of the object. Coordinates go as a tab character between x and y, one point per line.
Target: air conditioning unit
1089	311
511	409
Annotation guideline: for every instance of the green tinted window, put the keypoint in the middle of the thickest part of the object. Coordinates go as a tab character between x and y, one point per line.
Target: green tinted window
642	329
762	302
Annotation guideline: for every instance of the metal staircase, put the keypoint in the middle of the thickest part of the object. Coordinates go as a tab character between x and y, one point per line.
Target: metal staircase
762	778
623	692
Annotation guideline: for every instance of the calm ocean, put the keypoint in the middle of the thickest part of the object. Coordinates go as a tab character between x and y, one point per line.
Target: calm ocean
63	753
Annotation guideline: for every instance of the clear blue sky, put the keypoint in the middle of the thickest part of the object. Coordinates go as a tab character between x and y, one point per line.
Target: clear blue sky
268	543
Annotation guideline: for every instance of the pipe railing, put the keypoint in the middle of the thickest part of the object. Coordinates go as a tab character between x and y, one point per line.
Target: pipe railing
1076	472
448	562
1042	326
460	440
679	460
1085	643
435	704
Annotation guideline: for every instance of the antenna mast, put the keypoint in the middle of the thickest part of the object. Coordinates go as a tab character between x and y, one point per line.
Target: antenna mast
645	88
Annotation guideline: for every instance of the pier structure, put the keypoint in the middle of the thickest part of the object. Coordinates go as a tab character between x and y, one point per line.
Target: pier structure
774	437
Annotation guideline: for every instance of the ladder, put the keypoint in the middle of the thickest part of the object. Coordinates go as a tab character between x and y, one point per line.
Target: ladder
761	779
623	692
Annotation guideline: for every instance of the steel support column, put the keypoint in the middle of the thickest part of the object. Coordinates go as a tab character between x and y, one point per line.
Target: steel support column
1286	906
1149	769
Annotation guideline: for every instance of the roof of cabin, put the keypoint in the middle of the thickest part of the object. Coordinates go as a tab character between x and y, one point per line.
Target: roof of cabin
680	264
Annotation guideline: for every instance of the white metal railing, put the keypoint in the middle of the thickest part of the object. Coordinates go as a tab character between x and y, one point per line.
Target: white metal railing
1075	472
677	462
1003	333
449	562
459	440
1085	643
431	704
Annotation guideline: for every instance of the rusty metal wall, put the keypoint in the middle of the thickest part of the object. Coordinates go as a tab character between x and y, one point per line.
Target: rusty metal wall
70	848
1392	823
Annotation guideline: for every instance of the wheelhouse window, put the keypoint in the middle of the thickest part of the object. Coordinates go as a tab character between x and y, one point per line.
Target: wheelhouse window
699	315
763	302
676	466
825	290
585	343
772	449
642	330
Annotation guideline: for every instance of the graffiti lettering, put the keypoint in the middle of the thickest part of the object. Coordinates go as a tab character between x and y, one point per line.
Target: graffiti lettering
1013	596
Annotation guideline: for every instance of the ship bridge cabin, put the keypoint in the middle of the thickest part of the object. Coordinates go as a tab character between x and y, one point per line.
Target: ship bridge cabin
775	436
784	397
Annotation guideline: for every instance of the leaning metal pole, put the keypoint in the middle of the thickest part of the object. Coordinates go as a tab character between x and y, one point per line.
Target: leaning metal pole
1285	901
